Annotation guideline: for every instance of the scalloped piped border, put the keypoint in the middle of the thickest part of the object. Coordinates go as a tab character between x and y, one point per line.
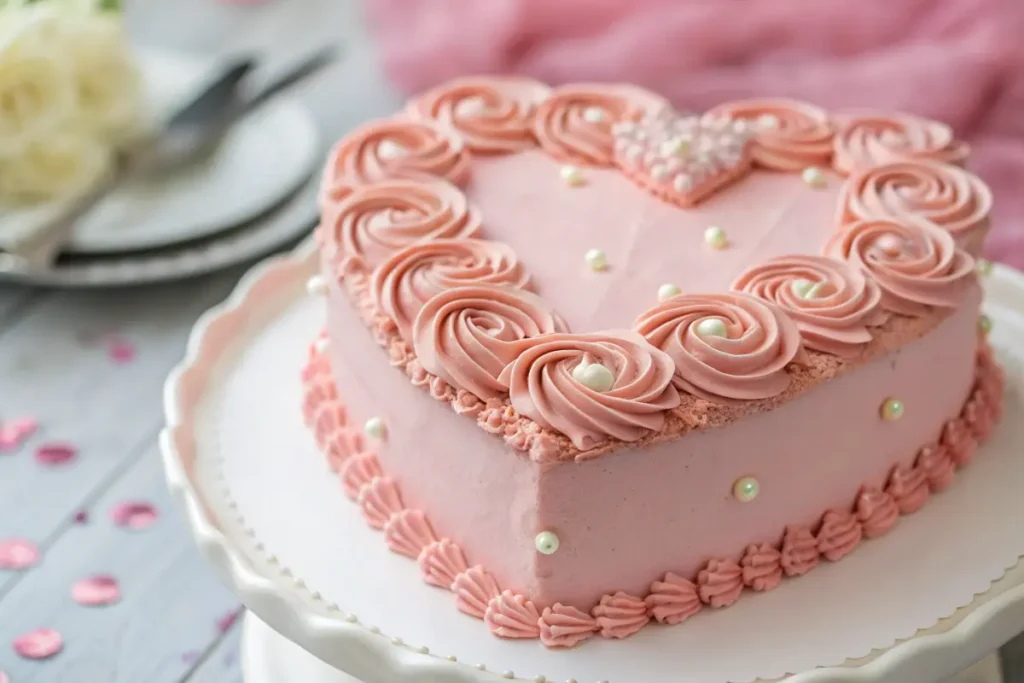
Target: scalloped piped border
987	624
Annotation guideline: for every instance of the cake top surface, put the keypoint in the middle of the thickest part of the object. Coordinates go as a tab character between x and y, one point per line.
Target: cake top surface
581	267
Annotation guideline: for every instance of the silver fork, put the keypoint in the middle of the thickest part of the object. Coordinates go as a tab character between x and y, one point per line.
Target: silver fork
191	134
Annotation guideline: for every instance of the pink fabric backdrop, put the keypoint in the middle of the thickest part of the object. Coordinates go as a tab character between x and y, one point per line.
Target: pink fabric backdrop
961	61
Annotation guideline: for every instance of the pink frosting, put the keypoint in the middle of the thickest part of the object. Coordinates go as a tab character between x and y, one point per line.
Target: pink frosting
511	615
978	417
833	316
945	195
673	600
909	488
468	335
620	615
408	533
916	264
762	567
839	534
375	221
801	137
405	281
384	150
342	445
720	583
876	511
799	550
871	139
565	626
379	500
937	466
542	387
358	471
563	131
474	589
492	115
957	438
748	363
441	562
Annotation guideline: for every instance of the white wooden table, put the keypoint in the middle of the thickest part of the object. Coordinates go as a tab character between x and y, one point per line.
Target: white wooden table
165	629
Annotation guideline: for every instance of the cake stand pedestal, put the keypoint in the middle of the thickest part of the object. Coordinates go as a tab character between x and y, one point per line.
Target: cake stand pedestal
941	592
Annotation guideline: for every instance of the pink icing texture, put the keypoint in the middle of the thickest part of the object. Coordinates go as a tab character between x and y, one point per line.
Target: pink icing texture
408	533
799	551
720	583
876	511
790	135
871	139
512	616
839	534
673	600
937	466
909	488
441	562
620	615
762	567
956	435
474	589
357	471
379	499
565	626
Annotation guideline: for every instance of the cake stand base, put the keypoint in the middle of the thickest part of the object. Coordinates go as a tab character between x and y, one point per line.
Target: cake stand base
268	657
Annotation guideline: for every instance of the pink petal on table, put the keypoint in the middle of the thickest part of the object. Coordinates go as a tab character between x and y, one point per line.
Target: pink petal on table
81	517
225	623
4	678
51	454
134	515
18	553
187	657
96	591
38	644
121	351
13	432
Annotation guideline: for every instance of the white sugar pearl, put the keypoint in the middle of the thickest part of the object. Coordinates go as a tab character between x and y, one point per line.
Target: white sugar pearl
767	121
594	376
572	175
746	489
508	674
683	182
659	173
634	153
712	327
715	237
471	106
594	115
675	146
374	428
667	291
802	287
624	128
423	650
596	259
814	177
321	345
389	149
547	542
316	286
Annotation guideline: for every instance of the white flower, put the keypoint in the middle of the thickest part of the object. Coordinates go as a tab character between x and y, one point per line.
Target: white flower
64	163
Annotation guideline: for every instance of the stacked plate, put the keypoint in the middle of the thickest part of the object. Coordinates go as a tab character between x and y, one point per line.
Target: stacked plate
255	195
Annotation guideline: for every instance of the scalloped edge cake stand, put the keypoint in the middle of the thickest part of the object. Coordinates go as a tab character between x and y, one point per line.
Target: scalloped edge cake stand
294	619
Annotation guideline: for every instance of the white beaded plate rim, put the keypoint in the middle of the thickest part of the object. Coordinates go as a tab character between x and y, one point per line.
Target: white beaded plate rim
301	615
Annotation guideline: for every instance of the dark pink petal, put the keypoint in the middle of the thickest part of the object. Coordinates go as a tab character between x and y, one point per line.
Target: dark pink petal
4	678
134	515
81	517
121	351
96	591
189	657
14	432
51	454
225	623
18	553
39	644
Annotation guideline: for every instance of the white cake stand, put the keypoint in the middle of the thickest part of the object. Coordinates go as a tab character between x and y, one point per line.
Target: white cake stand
326	596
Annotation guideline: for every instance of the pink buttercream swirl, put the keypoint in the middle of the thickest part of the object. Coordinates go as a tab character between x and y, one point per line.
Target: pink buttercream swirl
468	335
876	511
385	150
979	417
620	615
720	583
379	500
405	281
762	567
511	615
574	125
673	600
441	562
909	488
357	472
409	533
831	302
957	438
749	362
565	626
839	534
542	387
915	264
871	139
799	550
789	135
937	466
378	220
492	115
474	589
944	195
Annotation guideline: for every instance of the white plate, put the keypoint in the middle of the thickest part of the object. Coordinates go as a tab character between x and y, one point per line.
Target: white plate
271	518
262	160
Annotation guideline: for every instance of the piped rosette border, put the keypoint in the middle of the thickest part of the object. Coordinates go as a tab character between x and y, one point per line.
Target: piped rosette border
672	598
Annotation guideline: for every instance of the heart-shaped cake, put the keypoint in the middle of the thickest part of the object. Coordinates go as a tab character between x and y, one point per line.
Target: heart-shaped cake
593	363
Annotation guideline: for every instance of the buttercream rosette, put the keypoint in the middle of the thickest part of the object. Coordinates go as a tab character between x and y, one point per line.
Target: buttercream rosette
832	303
492	115
749	362
406	280
542	387
789	135
946	195
866	140
375	221
574	125
916	265
393	148
468	335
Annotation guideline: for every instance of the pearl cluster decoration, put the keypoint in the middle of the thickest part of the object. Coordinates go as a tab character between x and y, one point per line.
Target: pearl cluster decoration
547	542
746	489
594	376
596	260
374	428
715	237
892	409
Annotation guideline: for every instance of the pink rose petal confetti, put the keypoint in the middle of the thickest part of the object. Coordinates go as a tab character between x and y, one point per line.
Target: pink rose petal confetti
18	553
120	350
134	515
14	432
81	517
225	623
53	454
96	591
189	657
4	678
39	644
